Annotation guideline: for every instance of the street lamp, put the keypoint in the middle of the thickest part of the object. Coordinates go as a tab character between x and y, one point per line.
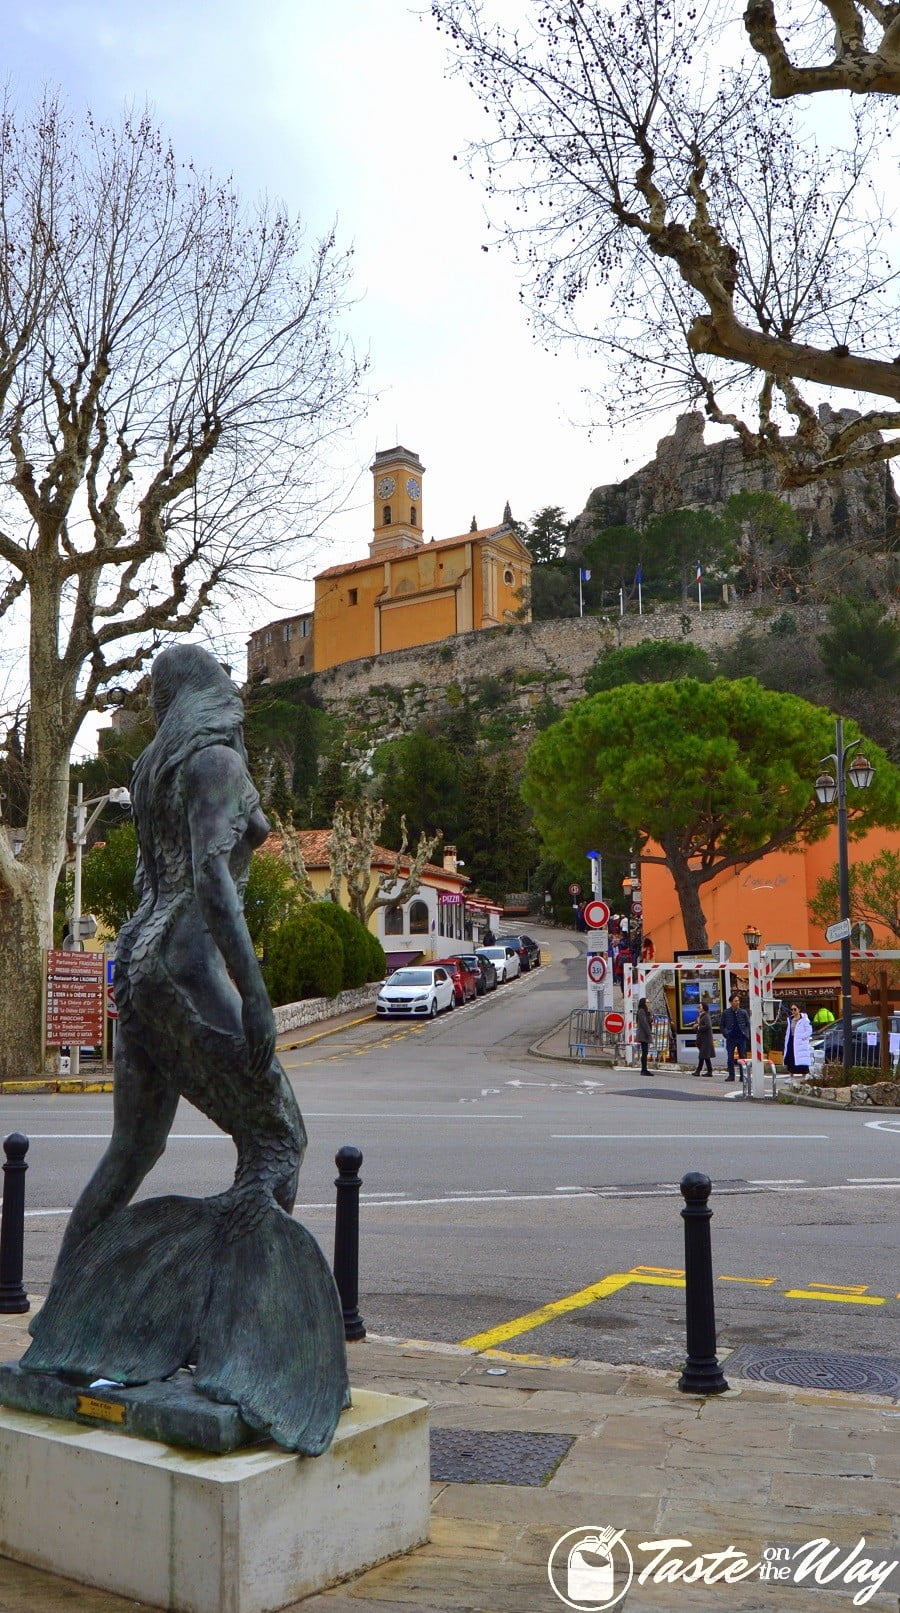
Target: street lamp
830	788
83	827
752	938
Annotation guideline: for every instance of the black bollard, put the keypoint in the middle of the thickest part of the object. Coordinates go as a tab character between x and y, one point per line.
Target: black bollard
346	1239
13	1298
701	1374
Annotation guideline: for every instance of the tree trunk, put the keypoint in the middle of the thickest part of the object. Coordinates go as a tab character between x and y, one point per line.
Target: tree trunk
28	883
25	930
688	892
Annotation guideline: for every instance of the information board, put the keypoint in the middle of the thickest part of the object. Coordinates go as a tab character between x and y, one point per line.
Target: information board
75	987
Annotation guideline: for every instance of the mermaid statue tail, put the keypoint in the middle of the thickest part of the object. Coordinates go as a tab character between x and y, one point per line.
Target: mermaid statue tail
232	1285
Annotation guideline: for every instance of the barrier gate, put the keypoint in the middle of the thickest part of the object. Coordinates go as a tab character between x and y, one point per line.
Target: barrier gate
760	968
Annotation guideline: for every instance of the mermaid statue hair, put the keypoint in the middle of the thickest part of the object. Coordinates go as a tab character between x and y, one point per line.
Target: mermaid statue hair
196	705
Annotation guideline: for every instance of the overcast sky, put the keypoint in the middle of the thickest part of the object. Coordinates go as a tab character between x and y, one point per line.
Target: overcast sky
345	110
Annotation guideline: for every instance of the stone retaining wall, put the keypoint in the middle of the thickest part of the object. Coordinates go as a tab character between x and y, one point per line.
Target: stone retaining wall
291	1016
538	658
879	1094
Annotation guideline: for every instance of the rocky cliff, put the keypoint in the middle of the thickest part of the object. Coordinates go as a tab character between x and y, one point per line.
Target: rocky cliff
861	507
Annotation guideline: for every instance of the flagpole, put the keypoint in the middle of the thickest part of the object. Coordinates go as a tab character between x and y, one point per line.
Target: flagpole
640	603
621	602
580	595
699	591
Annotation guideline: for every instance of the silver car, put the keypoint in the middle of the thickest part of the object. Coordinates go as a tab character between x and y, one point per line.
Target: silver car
419	991
505	960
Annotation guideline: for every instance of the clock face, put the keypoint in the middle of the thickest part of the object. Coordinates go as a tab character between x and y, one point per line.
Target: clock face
413	488
386	487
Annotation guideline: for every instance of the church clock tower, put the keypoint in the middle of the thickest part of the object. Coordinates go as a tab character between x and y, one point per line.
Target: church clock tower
397	492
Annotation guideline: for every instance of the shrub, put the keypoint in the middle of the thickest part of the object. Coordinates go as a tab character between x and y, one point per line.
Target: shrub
376	962
834	1075
305	959
352	936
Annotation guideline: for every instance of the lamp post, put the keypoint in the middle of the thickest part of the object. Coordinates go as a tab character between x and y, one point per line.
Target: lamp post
83	827
831	788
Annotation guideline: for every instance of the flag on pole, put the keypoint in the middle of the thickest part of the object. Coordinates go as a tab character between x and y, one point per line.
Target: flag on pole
699	586
699	572
639	574
585	575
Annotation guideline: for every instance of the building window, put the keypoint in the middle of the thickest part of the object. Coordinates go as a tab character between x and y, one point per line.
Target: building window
287	632
412	515
304	627
418	918
352	596
393	920
509	577
268	636
386	515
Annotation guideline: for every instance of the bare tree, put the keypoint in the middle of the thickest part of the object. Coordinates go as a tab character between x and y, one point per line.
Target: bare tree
650	152
170	367
351	850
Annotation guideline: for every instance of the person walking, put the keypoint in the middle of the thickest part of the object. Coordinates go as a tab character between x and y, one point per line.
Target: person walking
797	1042
643	1033
706	1046
736	1030
823	1017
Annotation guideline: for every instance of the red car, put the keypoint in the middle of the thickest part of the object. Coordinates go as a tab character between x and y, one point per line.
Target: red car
465	984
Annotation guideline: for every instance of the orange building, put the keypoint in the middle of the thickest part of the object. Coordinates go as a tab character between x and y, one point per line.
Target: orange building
410	592
774	895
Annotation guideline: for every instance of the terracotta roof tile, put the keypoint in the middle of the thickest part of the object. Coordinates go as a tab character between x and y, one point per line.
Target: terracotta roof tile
402	554
314	848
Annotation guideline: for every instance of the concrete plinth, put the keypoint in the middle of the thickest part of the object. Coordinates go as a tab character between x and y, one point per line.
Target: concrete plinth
246	1532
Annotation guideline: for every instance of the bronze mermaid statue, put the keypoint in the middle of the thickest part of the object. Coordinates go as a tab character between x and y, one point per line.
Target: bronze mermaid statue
232	1285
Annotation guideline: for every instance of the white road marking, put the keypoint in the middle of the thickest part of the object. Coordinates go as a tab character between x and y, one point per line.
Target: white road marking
688	1136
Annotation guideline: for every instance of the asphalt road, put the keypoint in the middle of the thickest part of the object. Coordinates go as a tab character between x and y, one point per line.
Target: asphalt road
497	1184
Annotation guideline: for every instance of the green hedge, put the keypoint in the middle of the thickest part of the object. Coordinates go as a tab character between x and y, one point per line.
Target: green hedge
305	958
353	938
376	962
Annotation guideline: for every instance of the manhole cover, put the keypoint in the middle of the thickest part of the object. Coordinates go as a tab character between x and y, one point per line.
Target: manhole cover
817	1369
464	1456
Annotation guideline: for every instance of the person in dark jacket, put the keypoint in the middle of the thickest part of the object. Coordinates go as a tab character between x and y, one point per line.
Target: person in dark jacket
643	1033
736	1030
706	1046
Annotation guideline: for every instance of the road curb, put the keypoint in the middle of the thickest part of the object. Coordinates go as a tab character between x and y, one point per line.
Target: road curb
64	1084
291	1047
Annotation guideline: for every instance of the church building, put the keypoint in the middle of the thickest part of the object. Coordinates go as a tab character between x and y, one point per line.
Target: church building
409	591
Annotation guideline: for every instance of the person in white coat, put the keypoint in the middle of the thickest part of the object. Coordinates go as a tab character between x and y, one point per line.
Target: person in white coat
797	1048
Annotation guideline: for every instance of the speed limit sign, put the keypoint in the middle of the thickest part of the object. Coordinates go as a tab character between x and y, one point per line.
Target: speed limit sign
637	909
574	890
596	968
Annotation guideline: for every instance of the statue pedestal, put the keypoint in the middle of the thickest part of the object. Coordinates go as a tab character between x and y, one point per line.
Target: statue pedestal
243	1532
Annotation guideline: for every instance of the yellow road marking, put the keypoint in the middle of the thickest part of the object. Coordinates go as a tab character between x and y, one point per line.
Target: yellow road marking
841	1299
839	1288
560	1307
757	1282
656	1271
530	1359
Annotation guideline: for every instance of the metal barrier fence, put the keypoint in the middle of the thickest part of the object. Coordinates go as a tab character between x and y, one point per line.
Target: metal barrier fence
587	1035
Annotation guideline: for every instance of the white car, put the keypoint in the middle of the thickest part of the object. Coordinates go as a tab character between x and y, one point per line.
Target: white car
505	961
418	990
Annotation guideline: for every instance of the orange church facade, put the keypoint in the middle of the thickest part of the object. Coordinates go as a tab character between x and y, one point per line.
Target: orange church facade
409	591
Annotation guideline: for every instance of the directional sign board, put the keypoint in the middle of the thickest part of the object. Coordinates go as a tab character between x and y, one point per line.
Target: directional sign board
596	968
596	914
614	1023
74	998
839	931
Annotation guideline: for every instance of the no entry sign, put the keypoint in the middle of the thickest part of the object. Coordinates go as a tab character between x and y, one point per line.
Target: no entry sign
614	1023
596	914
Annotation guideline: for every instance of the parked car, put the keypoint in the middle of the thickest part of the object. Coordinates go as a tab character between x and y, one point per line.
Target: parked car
865	1042
465	983
423	990
529	951
505	960
489	980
